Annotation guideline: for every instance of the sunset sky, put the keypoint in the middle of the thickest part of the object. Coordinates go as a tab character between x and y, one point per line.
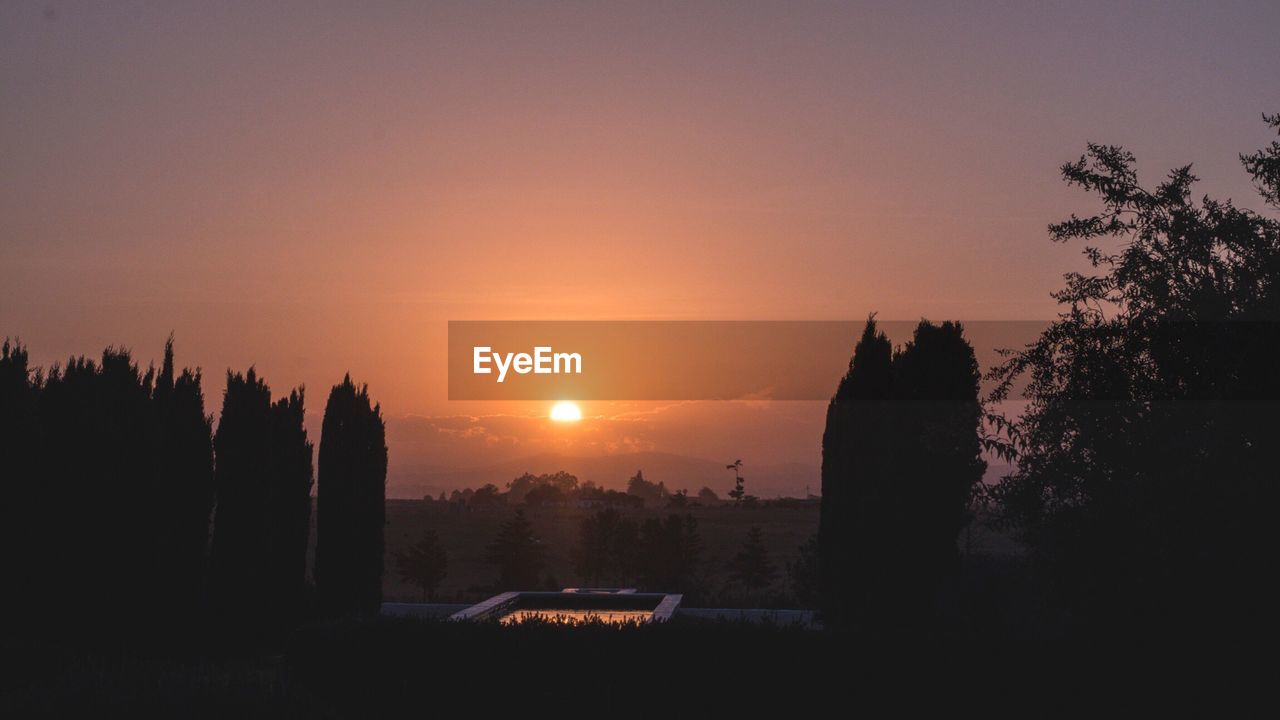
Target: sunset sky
316	189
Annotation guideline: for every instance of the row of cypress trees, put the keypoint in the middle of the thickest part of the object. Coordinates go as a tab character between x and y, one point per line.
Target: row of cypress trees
127	512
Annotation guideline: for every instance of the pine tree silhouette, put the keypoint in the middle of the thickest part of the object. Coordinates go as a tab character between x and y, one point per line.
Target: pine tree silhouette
518	554
752	568
424	563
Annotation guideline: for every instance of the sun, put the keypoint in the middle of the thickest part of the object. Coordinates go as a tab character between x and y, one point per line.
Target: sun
566	412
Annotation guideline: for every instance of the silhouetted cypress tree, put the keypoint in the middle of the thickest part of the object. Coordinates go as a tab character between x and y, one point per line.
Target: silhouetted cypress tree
901	455
183	492
98	443
854	469
350	502
20	558
289	498
935	468
263	478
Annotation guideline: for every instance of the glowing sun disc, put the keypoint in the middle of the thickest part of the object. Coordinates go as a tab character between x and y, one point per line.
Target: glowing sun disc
566	412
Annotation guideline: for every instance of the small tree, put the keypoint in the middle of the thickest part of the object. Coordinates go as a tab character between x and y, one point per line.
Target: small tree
678	500
737	493
652	494
545	495
752	567
425	563
805	574
669	552
707	496
606	547
519	555
486	497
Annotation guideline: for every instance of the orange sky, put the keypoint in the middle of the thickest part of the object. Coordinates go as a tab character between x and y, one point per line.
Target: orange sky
317	189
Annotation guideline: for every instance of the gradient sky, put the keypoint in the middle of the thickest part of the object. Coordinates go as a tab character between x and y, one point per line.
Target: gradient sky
317	187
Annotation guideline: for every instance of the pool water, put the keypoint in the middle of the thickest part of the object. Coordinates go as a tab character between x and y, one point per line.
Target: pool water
568	616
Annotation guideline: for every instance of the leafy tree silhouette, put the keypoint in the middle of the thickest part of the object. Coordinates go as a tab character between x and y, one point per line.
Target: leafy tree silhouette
678	500
350	502
708	497
263	477
517	553
520	487
652	494
487	497
425	563
901	459
1146	472
545	496
752	567
1264	166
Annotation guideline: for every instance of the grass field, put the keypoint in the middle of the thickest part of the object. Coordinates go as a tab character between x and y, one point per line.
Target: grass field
465	534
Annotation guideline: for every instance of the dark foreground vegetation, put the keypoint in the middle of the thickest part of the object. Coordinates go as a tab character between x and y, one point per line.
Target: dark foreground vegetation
684	668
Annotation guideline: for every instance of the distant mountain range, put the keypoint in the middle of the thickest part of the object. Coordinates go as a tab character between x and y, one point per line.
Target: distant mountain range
609	471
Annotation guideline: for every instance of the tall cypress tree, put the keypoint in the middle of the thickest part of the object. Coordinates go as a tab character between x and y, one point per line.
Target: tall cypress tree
289	498
350	502
183	489
901	454
937	464
263	478
20	558
853	471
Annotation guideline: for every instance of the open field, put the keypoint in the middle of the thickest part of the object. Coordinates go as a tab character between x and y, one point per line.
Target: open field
465	534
